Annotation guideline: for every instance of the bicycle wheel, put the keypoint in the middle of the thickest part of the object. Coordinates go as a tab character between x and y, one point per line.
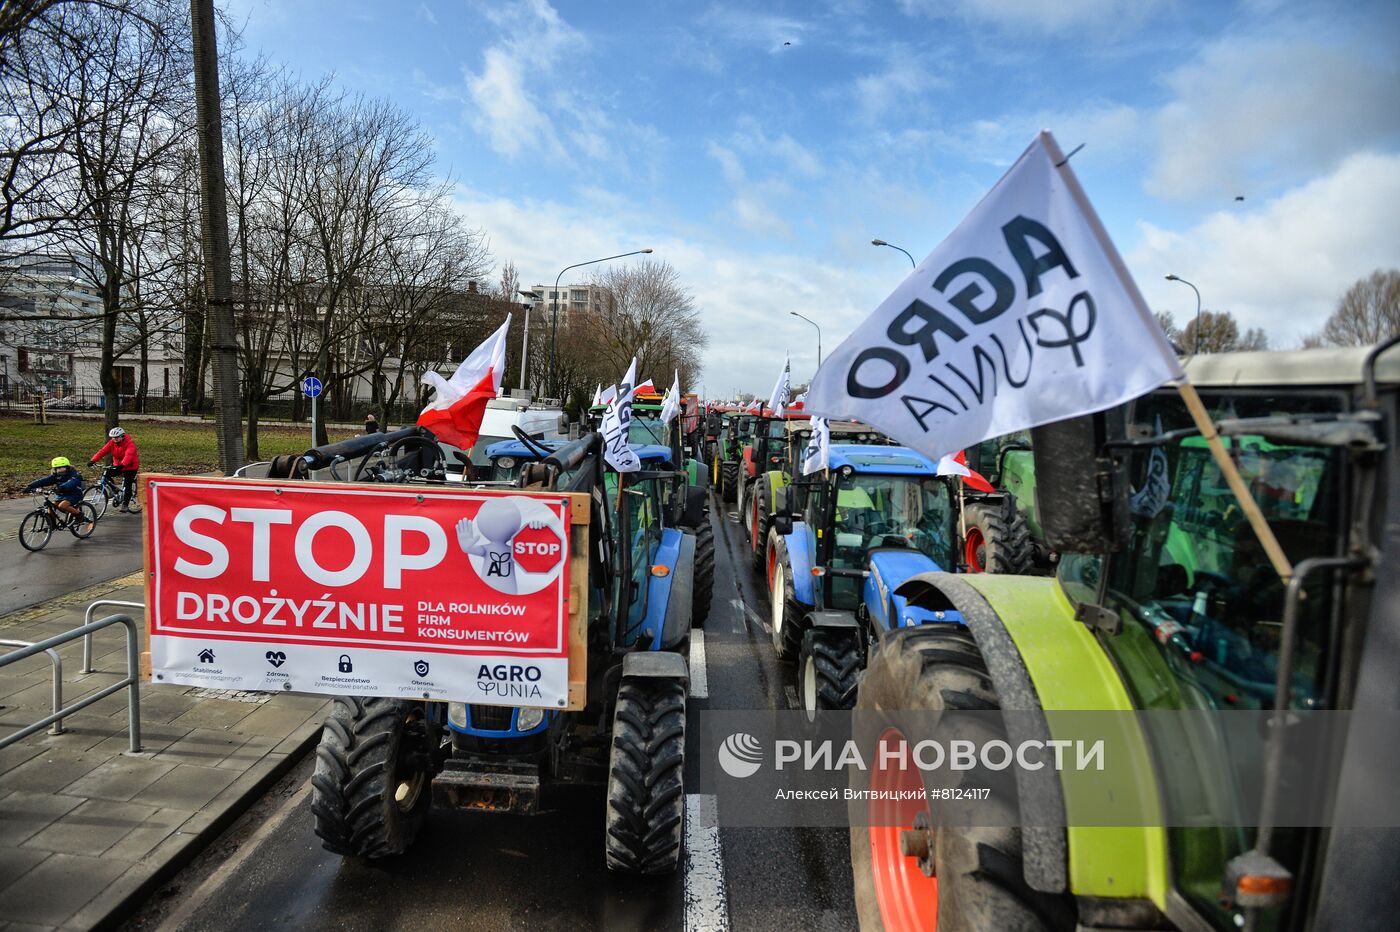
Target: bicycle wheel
35	531
97	498
134	506
82	527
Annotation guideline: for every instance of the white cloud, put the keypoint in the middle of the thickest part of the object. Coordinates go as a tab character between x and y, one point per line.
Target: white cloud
1108	130
506	112
1248	116
729	163
903	80
774	34
1283	265
504	108
744	296
1048	16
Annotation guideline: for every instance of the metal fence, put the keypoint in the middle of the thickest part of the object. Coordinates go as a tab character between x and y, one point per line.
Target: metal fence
131	682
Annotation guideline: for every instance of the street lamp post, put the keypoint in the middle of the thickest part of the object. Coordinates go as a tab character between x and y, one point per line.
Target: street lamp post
554	322
534	296
1196	345
819	335
880	242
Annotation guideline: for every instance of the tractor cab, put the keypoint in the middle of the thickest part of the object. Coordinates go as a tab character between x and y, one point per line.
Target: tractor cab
1259	794
843	542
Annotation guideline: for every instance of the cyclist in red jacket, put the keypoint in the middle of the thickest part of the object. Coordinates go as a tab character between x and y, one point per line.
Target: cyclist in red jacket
125	458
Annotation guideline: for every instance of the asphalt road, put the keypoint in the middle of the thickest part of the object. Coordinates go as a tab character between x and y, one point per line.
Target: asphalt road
66	564
487	871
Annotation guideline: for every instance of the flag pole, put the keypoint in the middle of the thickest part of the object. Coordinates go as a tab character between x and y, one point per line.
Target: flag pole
1194	405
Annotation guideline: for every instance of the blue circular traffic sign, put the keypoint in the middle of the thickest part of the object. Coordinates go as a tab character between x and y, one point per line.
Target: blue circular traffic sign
311	386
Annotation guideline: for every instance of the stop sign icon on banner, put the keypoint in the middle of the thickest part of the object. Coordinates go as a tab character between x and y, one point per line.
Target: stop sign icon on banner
537	550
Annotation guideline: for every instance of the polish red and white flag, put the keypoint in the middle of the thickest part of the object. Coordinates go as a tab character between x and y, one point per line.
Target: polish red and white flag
455	413
956	465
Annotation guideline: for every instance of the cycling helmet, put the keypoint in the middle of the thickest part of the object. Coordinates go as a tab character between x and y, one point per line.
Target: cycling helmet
58	461
116	433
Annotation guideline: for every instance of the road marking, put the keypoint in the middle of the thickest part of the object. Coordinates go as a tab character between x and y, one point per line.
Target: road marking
706	903
699	682
750	616
791	696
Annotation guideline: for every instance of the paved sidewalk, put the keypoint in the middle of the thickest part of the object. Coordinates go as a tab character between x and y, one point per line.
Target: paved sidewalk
87	828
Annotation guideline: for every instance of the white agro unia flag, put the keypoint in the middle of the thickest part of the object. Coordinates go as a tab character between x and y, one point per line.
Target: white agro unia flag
1024	315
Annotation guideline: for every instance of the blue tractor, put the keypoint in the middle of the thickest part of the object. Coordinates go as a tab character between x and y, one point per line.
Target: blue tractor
665	466
847	538
383	761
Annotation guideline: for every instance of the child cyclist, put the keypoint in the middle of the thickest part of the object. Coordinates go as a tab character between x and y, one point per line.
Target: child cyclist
69	493
124	458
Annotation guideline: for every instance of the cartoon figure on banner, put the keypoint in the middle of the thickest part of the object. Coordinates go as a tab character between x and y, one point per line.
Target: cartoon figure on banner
514	544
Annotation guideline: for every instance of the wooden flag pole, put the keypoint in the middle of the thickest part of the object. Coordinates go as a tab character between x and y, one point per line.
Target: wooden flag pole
1251	509
1257	521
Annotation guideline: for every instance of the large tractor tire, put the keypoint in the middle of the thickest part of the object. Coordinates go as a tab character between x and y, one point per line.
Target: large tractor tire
373	783
828	669
998	539
758	526
977	879
728	481
703	585
785	614
646	793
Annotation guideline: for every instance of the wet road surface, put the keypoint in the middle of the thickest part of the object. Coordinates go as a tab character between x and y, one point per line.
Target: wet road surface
66	564
489	871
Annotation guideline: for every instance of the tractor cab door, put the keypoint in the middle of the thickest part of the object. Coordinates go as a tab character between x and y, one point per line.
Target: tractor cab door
1202	609
639	524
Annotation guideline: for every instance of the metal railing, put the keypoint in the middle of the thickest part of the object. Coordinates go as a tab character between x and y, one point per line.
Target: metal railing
132	681
87	619
57	727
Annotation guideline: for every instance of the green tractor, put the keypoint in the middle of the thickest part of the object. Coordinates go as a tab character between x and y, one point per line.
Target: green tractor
731	435
1164	602
1003	532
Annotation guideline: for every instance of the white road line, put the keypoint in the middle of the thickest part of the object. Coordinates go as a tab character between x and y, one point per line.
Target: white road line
706	902
699	681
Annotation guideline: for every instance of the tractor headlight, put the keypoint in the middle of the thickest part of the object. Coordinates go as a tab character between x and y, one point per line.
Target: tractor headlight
528	719
457	714
848	471
506	462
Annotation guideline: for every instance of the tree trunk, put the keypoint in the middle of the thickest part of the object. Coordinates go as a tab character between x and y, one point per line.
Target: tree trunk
107	373
254	408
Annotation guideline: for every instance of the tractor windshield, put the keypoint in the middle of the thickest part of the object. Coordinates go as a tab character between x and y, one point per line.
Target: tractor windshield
892	511
646	429
1202	609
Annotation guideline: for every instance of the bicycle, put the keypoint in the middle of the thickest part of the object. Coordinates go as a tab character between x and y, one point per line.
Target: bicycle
38	526
106	489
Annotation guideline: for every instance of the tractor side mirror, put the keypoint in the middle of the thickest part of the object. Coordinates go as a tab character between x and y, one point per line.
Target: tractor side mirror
1081	489
781	524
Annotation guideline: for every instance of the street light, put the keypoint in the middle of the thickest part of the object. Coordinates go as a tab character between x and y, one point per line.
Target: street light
819	335
554	323
1196	347
534	297
880	242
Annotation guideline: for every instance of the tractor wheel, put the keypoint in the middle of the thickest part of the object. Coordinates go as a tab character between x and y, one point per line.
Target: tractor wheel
703	584
728	481
967	877
998	540
758	527
828	669
785	615
646	795
372	785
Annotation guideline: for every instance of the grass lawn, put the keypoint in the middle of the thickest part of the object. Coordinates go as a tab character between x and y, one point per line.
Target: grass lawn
165	446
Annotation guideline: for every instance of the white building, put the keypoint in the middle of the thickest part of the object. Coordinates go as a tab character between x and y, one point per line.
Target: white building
51	336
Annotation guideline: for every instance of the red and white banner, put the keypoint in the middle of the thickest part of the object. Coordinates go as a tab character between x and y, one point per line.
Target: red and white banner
359	590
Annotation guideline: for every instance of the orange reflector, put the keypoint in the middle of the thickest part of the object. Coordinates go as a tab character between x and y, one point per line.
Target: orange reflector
1263	885
818	571
660	570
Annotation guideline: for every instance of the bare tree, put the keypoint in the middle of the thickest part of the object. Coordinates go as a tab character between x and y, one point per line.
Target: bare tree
1220	333
1367	313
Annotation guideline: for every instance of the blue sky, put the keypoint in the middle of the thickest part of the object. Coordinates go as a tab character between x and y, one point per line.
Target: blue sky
760	152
